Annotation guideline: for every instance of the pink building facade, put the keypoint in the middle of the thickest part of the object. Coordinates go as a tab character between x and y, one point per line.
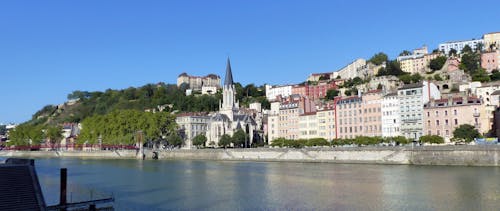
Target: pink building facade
443	116
349	117
489	60
314	92
372	113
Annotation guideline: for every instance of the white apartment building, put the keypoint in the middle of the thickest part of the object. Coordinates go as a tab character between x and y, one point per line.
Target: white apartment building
191	125
326	123
351	70
412	98
458	45
273	91
273	122
308	126
391	119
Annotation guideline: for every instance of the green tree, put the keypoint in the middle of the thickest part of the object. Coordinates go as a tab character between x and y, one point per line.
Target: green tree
432	139
406	78
199	140
452	52
437	63
351	92
400	140
317	142
479	47
251	90
392	68
53	134
239	138
481	75
467	49
225	140
324	77
174	140
470	62
437	77
332	93
26	135
378	58
466	133
405	53
3	129
416	77
495	75
119	127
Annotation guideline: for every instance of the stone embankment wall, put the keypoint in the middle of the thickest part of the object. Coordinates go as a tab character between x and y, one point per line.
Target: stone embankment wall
429	155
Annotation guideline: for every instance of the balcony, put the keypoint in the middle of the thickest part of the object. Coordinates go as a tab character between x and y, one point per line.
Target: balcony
476	114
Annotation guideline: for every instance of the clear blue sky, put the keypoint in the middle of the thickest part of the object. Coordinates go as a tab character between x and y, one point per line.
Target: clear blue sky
50	48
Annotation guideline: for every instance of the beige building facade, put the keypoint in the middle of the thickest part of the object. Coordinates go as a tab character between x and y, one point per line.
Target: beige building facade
197	82
491	41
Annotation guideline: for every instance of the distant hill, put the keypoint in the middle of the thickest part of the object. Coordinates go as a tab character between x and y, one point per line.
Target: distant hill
165	97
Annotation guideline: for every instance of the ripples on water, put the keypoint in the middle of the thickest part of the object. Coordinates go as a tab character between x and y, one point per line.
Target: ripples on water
216	185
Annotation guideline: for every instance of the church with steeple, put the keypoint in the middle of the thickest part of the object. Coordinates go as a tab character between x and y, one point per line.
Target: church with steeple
230	117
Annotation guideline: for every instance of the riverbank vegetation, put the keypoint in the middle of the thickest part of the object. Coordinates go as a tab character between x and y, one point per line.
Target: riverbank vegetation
127	127
358	141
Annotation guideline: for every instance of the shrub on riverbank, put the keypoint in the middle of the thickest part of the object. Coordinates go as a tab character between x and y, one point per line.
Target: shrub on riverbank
358	141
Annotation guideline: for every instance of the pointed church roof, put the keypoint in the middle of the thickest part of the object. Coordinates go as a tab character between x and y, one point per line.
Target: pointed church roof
228	80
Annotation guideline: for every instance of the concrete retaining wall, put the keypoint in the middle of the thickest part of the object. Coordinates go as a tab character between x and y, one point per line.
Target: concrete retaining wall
433	155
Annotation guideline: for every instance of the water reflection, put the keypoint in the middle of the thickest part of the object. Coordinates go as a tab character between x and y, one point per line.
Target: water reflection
163	185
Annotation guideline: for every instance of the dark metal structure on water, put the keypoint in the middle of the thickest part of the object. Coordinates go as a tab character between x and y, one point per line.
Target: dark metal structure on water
20	189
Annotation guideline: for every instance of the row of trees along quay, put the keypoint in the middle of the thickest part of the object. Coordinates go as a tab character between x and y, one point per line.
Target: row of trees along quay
119	129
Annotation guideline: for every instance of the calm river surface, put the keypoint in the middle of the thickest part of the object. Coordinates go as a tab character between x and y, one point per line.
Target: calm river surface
216	185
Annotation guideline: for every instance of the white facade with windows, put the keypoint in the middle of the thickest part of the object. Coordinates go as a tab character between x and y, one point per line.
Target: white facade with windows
412	98
391	119
458	45
192	125
351	70
273	91
308	126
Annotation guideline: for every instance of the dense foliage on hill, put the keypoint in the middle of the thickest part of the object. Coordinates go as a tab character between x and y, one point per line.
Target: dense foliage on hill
150	96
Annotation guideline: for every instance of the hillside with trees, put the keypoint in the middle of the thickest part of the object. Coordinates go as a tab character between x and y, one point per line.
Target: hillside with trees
168	97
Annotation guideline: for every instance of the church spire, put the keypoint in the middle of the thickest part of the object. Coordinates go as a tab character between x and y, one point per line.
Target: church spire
228	80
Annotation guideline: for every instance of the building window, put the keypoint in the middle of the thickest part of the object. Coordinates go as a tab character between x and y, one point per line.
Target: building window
447	132
446	122
437	113
438	133
456	121
428	114
446	113
455	112
437	122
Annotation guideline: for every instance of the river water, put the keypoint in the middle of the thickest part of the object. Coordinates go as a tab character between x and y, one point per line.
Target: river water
217	185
